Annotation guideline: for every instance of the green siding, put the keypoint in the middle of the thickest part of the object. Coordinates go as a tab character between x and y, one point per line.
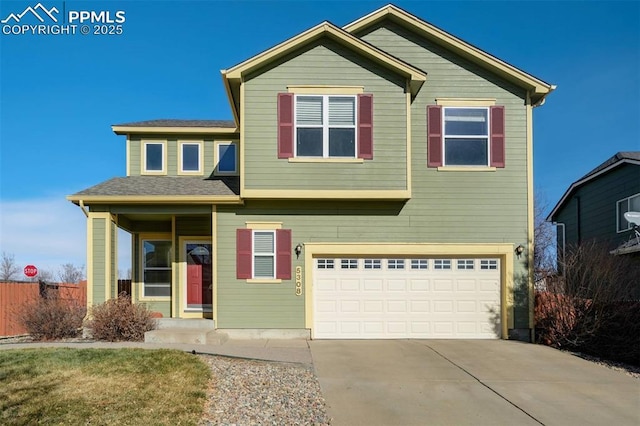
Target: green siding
172	147
99	273
325	64
595	204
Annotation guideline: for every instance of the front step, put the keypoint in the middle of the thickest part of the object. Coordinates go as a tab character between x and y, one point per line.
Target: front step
192	336
198	323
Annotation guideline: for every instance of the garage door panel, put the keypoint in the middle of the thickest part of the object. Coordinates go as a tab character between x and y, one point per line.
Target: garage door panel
417	301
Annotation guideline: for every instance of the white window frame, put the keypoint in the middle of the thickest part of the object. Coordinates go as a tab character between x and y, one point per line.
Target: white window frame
144	268
626	200
217	158
181	145
255	253
395	264
325	264
348	263
488	264
145	170
487	137
465	265
325	125
442	264
372	264
419	264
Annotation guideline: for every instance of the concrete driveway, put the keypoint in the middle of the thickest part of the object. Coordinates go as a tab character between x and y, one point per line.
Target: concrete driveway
468	382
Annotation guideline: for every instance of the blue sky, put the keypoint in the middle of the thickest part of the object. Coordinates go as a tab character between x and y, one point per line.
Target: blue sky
59	94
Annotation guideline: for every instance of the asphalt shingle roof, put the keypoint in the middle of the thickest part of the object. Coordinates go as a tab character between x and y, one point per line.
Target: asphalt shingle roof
165	122
623	155
165	186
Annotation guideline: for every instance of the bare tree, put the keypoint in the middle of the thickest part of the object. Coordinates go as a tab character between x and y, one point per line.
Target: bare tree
544	258
43	275
8	267
70	273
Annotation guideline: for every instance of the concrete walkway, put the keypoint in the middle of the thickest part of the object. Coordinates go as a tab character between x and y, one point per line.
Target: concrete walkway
469	382
281	350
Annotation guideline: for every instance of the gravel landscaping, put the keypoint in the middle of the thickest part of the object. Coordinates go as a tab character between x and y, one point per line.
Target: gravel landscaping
248	392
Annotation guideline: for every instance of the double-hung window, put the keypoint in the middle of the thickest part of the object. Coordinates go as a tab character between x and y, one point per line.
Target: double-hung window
466	136
629	204
263	254
325	126
156	268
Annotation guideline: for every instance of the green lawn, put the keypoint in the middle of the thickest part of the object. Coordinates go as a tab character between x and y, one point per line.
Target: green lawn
101	387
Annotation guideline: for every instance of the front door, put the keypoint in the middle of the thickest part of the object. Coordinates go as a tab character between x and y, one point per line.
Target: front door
199	275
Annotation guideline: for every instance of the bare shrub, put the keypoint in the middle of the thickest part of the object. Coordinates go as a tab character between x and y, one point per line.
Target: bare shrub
120	320
590	308
52	317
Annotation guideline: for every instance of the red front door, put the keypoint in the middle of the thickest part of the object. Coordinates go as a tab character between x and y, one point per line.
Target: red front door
199	275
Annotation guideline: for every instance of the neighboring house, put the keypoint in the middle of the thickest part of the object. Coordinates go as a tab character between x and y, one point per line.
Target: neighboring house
593	207
376	182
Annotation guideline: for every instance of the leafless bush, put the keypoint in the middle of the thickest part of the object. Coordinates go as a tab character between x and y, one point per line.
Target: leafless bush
120	320
591	307
52	317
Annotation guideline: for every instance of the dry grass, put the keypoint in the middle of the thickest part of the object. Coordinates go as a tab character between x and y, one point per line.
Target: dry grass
101	387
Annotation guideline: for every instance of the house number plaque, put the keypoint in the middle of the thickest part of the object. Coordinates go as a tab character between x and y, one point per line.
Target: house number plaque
298	280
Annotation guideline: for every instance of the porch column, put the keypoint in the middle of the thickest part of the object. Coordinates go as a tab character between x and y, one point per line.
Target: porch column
102	257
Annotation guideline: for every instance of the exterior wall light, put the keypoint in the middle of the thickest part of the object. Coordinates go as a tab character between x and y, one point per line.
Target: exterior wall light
298	250
519	250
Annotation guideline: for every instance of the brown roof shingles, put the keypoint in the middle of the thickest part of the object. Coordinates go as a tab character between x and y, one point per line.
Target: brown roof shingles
224	124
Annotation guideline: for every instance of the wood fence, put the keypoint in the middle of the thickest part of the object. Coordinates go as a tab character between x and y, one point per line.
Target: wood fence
14	295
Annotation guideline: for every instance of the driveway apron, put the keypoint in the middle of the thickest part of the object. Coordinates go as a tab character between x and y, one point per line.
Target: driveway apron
468	382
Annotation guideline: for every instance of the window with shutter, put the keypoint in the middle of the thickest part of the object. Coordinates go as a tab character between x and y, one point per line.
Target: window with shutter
325	126
465	136
263	254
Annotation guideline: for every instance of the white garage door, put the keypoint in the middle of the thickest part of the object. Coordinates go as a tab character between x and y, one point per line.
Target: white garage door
357	298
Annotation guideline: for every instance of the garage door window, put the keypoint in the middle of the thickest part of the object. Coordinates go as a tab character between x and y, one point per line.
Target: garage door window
488	264
325	263
465	264
442	264
349	264
372	264
395	264
419	264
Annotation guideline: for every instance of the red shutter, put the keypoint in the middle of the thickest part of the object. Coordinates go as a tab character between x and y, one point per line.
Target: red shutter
285	125
243	253
283	254
497	136
434	136
365	127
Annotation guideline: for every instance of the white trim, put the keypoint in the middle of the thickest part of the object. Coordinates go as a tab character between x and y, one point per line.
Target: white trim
325	126
628	200
587	179
487	137
181	144
143	166
272	254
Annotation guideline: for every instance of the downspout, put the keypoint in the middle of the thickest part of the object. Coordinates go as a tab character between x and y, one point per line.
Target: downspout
84	209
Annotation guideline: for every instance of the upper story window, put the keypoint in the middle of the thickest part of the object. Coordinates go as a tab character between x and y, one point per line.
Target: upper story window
190	157
466	136
226	158
629	204
154	157
325	126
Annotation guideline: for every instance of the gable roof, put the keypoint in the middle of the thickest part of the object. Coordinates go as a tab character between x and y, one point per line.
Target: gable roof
620	158
175	126
233	76
537	88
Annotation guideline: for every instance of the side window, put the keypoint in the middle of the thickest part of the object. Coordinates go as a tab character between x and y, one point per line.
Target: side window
154	157
226	158
630	204
156	268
